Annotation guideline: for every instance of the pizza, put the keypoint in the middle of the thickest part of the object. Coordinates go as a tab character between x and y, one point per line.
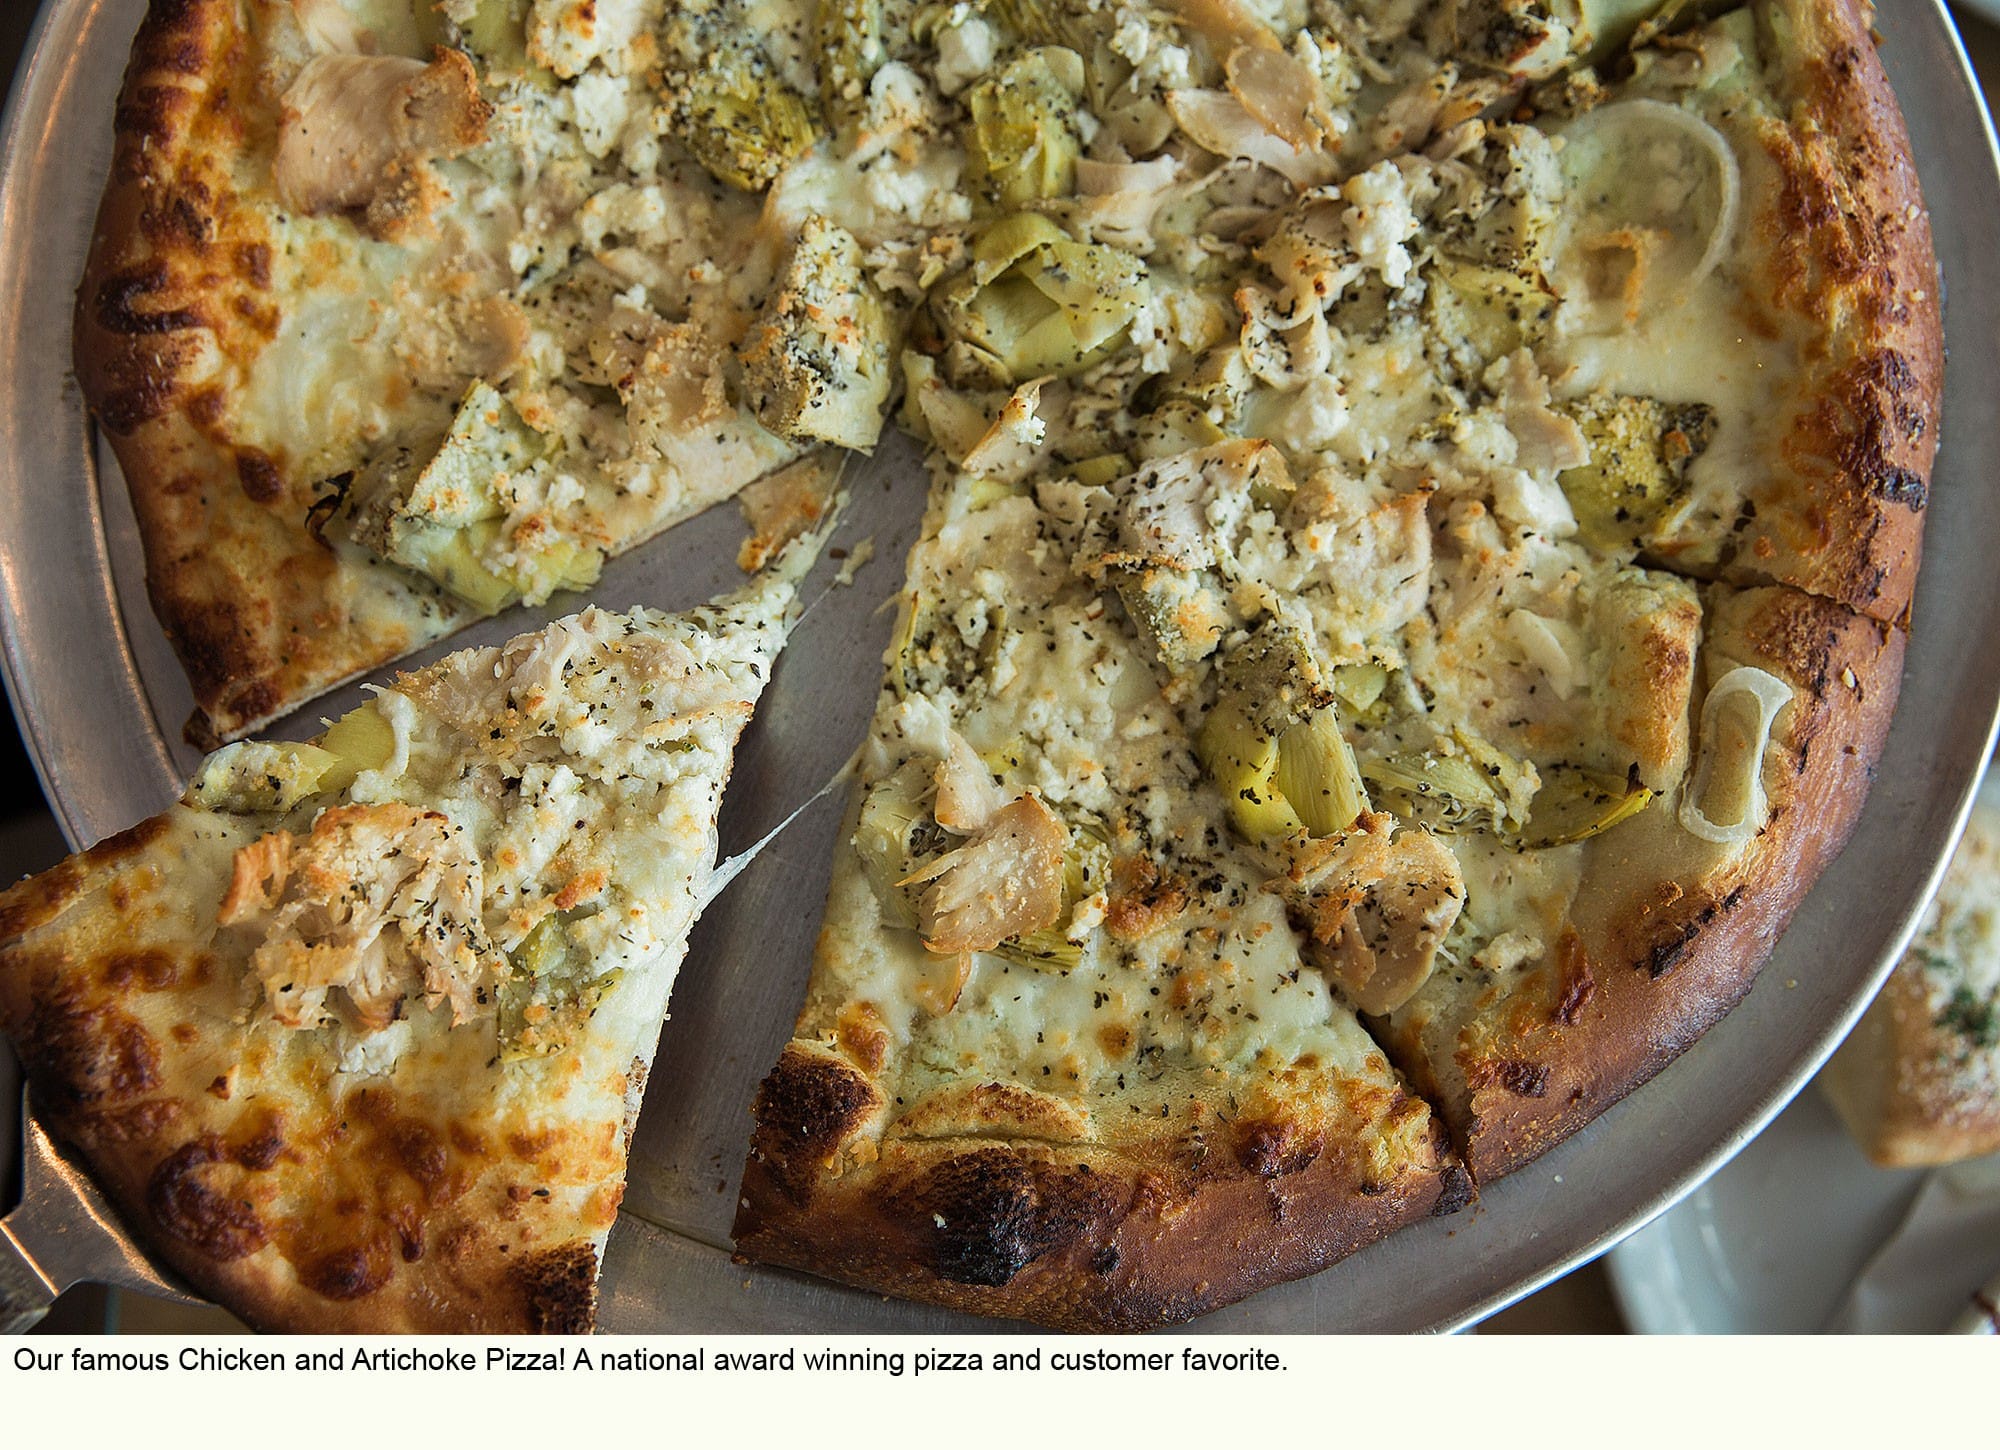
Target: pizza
1918	1080
1426	498
1351	728
355	1033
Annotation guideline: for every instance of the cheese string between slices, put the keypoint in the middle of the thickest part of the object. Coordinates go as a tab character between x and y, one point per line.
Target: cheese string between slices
728	869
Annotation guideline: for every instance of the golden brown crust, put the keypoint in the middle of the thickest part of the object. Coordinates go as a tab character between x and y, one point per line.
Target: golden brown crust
302	1200
1071	1235
1665	938
177	299
1846	249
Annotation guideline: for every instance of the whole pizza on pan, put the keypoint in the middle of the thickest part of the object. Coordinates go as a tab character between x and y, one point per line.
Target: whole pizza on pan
1426	499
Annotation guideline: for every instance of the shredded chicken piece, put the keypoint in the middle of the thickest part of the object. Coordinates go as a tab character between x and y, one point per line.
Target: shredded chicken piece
967	798
378	901
359	133
1005	882
1375	903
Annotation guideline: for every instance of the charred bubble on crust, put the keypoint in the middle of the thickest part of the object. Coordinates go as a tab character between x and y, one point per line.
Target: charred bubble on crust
1667	953
1522	1079
1578	985
86	1057
805	1108
255	470
353	1272
119	296
1271	1150
146	969
559	1289
187	1208
149	116
994	1212
1455	1190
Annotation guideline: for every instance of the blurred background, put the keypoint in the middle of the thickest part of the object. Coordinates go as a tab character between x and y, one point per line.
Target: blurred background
30	841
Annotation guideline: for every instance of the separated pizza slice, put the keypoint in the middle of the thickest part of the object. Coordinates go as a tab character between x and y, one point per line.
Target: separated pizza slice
1061	1058
395	318
1918	1080
354	1034
1586	959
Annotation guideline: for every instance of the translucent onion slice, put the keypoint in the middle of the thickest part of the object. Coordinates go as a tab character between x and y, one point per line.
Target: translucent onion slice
1736	721
1605	151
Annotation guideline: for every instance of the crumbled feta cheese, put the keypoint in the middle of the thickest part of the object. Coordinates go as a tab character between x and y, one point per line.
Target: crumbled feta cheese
1379	221
965	53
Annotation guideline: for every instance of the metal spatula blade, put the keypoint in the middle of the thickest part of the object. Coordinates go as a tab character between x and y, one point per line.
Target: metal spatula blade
64	1233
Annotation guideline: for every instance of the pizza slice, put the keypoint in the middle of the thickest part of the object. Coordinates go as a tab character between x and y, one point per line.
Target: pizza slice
398	315
1918	1080
354	1034
1061	1056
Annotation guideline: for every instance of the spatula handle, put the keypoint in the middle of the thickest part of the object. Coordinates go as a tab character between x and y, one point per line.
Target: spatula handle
25	1296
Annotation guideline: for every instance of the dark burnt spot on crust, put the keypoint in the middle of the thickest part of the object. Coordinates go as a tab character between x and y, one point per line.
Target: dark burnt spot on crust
559	1289
187	1208
1667	953
253	263
183	216
149	116
85	1056
420	1151
993	1212
119	297
1455	1190
261	1149
1578	985
262	483
206	406
353	1272
1272	1149
1523	1079
805	1108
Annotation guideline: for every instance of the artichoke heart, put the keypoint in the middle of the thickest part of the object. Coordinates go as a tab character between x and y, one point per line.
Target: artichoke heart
1273	744
441	513
740	120
1024	140
359	740
849	33
253	776
1036	303
495	34
1640	453
820	360
1463	783
1575	804
550	995
896	838
1493	310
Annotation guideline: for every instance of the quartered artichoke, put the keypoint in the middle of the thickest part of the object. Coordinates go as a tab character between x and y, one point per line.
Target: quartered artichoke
1640	453
1035	303
439	513
1272	742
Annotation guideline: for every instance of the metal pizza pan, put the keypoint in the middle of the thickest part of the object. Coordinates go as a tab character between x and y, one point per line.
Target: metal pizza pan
100	701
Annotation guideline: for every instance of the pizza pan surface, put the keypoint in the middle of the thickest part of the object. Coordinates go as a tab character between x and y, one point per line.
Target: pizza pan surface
101	702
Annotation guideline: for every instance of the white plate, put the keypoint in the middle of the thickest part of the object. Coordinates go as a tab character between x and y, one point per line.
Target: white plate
1774	1242
1771	1242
